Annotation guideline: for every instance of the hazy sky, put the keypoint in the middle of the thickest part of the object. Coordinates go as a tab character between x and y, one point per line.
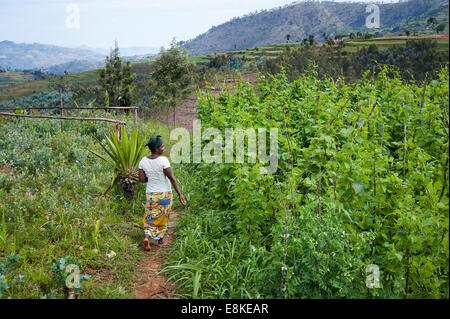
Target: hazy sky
97	23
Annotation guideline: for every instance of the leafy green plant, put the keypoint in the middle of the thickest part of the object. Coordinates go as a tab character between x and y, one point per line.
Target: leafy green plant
124	155
71	180
362	180
59	270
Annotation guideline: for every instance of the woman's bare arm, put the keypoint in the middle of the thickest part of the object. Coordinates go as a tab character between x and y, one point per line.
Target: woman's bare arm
142	177
169	173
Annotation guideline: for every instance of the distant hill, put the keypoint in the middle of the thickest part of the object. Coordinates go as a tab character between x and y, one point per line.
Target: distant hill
74	66
132	51
77	66
301	19
23	56
126	51
55	59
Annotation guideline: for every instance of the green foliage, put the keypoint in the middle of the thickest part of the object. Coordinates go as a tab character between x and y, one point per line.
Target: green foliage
117	79
354	193
441	27
59	270
124	155
171	77
50	205
416	60
39	99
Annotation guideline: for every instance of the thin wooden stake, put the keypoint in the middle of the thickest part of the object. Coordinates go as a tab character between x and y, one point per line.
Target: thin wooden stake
135	119
334	185
64	118
404	150
319	186
69	108
423	96
117	131
283	269
61	108
407	277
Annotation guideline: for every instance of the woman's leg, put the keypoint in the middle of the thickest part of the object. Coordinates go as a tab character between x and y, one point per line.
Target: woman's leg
146	242
147	212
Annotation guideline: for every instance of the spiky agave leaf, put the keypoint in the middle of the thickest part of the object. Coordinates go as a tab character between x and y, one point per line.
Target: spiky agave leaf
124	155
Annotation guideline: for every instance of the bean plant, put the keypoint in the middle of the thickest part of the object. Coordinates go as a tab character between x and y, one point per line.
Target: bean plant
362	180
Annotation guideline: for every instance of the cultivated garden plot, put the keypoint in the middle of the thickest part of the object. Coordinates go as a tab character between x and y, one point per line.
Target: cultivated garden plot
361	187
298	152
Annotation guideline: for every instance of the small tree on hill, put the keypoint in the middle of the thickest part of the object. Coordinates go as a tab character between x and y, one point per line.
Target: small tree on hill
440	27
171	77
117	79
59	83
330	41
432	22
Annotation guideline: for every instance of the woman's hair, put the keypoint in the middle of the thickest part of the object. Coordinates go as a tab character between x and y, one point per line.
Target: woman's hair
154	143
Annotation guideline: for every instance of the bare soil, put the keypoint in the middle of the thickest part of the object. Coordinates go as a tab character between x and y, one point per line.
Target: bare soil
150	284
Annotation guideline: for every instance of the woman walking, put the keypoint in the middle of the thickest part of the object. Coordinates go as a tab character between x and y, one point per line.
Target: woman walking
155	170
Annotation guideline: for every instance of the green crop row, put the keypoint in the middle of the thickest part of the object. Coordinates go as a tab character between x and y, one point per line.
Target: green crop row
358	207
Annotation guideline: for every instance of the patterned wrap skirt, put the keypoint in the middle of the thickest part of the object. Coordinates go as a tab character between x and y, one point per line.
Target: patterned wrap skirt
157	211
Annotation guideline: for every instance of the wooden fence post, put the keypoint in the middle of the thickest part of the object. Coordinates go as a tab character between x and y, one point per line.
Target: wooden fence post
117	131
61	108
135	119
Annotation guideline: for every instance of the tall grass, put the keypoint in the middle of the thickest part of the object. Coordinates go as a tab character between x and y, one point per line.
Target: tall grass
52	207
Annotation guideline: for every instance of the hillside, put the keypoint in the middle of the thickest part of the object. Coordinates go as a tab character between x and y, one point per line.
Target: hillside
299	20
77	66
57	60
14	85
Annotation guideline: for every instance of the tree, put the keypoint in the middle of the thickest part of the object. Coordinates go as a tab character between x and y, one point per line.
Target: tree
440	27
288	36
59	83
117	79
432	21
407	32
171	77
311	39
330	41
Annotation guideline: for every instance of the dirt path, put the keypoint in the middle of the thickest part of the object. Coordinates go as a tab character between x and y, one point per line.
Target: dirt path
150	284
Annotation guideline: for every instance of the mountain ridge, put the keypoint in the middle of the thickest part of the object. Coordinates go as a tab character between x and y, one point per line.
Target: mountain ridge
56	59
300	19
38	55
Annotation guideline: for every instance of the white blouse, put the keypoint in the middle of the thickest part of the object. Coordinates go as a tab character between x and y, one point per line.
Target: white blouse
157	180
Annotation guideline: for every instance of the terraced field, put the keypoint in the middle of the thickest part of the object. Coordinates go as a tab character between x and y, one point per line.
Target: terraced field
387	42
23	87
10	78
